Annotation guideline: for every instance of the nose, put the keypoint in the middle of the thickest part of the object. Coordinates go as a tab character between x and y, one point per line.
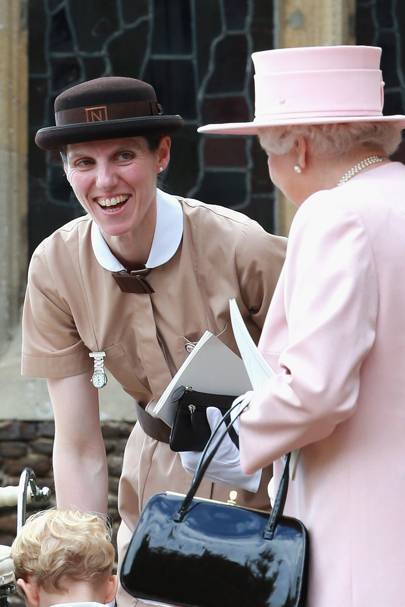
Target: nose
106	177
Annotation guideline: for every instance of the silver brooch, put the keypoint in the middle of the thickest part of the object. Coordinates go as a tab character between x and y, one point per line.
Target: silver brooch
99	377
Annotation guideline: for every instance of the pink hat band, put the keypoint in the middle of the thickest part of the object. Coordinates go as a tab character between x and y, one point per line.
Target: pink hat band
341	93
314	85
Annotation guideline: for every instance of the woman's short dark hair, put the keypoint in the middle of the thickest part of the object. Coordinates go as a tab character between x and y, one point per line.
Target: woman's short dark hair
153	141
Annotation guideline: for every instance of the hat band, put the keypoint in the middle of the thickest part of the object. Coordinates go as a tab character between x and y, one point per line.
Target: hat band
319	93
327	113
111	111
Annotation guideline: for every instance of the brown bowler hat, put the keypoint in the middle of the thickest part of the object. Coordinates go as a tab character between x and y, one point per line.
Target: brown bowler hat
106	108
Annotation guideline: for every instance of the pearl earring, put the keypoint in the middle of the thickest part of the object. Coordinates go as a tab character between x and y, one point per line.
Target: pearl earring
160	169
297	168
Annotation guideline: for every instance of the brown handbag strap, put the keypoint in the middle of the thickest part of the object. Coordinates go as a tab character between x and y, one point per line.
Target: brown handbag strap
152	426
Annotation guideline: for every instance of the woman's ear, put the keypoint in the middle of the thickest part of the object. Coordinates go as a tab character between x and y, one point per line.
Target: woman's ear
301	151
163	152
66	170
110	589
30	590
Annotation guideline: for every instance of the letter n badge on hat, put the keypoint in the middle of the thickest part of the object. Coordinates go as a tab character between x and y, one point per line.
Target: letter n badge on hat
96	114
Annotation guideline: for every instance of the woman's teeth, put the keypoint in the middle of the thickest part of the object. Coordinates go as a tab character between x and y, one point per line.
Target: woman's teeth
112	202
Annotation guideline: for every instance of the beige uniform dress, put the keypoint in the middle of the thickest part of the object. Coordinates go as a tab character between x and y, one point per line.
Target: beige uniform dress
74	306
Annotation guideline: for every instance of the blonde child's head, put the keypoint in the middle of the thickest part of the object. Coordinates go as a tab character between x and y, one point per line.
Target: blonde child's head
56	549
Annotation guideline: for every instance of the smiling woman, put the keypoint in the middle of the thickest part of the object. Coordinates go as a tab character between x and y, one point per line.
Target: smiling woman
115	182
128	287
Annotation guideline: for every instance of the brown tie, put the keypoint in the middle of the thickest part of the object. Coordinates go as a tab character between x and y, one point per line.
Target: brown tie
134	281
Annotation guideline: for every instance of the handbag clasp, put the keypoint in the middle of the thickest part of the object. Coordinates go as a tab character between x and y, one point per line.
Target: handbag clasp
232	498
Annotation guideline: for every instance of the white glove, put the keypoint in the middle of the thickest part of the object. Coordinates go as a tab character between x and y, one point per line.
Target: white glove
271	490
225	467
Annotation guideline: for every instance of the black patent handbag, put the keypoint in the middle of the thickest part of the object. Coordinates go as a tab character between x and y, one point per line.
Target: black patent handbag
193	552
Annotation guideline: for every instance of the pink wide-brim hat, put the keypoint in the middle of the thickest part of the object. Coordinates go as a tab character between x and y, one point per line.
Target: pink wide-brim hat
314	85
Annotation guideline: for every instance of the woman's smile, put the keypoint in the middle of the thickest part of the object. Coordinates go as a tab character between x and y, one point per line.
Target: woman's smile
112	203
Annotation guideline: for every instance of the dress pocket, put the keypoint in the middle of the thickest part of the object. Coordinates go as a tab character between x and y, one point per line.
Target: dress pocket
120	364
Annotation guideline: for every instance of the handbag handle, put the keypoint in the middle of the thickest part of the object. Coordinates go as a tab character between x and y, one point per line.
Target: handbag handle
204	462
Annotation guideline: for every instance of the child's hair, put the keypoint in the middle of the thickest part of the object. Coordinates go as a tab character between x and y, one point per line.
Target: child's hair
56	546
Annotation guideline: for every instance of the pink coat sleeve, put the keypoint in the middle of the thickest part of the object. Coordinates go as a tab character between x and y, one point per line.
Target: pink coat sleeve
328	301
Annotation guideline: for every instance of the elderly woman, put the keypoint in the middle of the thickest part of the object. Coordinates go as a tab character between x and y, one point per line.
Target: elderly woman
335	330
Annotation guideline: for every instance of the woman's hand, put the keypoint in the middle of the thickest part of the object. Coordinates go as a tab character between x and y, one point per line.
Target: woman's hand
225	466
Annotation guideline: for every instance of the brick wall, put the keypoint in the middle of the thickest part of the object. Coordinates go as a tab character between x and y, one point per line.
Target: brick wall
26	443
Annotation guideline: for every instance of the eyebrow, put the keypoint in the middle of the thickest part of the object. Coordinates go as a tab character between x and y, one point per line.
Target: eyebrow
121	144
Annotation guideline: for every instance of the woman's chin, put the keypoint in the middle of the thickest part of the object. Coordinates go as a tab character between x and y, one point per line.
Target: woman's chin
113	225
114	231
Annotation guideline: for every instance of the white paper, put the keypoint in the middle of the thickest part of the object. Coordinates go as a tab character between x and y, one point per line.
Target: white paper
211	367
256	366
258	369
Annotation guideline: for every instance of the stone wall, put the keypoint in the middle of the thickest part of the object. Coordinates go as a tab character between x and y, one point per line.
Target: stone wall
13	162
29	443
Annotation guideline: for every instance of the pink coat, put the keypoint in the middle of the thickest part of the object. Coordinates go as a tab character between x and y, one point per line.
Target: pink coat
335	334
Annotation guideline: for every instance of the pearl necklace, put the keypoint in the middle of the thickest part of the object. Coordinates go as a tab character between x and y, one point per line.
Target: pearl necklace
363	164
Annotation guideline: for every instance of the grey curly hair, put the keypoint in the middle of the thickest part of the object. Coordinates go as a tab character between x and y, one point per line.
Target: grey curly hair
332	139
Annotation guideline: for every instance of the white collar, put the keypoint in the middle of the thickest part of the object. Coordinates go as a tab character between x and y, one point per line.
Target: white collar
79	604
166	239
